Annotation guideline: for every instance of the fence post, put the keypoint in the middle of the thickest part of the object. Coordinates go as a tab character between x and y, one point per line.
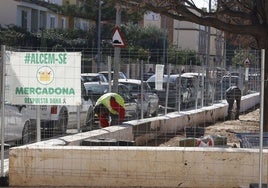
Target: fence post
142	91
167	89
3	49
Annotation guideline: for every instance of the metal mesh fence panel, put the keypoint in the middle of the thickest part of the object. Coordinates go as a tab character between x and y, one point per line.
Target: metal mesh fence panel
159	137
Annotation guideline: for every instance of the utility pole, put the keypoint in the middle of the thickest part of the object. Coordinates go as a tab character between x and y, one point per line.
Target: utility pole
164	42
117	51
208	34
208	52
208	40
99	37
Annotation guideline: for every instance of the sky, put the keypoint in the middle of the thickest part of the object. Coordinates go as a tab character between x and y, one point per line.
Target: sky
201	3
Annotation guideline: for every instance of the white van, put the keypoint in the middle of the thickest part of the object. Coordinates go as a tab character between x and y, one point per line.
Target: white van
57	119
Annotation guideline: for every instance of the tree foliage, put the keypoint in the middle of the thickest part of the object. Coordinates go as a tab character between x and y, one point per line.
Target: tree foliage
246	18
182	57
146	37
15	36
240	57
52	38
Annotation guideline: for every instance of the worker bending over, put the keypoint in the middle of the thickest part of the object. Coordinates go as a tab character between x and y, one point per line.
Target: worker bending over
110	105
233	93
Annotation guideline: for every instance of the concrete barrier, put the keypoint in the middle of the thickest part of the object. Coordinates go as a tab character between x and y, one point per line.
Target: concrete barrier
134	166
63	162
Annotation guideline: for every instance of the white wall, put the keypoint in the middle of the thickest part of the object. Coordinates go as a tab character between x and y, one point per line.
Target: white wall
63	162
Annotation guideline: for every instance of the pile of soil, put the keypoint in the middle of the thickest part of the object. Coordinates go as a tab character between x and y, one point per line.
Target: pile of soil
247	123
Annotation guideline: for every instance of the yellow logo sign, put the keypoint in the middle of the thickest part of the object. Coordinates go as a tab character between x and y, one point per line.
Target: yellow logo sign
45	75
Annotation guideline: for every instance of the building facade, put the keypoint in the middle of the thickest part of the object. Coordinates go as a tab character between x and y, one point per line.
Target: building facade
190	36
34	15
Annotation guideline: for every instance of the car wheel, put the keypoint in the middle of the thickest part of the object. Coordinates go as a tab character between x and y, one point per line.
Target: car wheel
137	115
148	113
155	113
90	121
90	117
61	124
28	133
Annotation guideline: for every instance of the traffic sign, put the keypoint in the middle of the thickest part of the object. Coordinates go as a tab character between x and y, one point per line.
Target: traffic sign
247	61
118	39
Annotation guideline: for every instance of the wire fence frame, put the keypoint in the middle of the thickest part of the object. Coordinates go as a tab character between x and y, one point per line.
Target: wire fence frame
217	78
198	70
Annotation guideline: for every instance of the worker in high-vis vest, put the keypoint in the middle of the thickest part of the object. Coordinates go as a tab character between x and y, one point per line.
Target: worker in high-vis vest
110	105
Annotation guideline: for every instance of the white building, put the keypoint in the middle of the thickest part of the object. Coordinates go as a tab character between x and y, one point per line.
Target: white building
190	36
35	16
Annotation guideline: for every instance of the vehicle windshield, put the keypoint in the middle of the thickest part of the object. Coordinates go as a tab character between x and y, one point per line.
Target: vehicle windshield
100	89
120	75
152	78
96	90
89	78
137	87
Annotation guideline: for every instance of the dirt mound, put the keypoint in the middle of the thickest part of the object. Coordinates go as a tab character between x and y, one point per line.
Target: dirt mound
247	123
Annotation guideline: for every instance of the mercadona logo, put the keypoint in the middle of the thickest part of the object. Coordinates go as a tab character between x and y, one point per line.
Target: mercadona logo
45	75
